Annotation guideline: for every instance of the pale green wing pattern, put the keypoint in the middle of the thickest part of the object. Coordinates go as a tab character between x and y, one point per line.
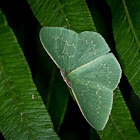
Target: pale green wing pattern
70	50
92	86
91	45
60	44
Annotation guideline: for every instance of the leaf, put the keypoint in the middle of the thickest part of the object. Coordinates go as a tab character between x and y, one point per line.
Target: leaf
22	112
2	19
72	14
57	98
126	23
88	70
120	125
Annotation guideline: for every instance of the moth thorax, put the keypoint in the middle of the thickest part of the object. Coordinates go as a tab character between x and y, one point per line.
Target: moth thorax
64	78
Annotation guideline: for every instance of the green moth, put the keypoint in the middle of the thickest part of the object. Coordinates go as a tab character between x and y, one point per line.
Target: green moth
87	67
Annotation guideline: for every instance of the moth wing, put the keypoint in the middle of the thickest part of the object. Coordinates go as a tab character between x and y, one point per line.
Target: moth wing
91	45
60	44
95	104
92	86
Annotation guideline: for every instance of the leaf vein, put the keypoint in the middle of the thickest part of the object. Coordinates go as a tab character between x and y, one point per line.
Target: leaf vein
130	23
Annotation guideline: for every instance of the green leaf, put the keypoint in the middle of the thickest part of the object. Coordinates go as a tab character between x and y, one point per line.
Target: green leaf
126	23
22	112
2	19
73	14
120	125
57	98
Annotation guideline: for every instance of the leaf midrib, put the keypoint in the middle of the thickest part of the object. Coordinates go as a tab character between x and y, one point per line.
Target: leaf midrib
117	128
48	98
63	14
130	23
14	99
